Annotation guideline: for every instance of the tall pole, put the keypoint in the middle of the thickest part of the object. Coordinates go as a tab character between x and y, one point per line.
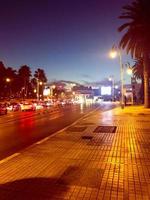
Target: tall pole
121	79
38	87
113	88
112	79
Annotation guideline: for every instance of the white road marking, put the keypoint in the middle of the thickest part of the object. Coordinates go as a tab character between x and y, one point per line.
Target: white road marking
9	158
43	140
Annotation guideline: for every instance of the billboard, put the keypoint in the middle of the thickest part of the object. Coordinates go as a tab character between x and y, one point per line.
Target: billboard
106	90
46	92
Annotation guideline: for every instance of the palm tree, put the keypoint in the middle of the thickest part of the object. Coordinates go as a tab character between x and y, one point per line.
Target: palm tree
2	80
138	70
40	76
10	75
136	40
24	74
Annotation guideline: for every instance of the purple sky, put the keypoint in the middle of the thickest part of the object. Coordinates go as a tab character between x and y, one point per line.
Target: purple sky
69	39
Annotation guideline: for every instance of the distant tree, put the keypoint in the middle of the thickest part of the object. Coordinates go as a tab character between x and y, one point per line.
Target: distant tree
40	76
2	70
24	75
136	39
2	79
33	87
10	74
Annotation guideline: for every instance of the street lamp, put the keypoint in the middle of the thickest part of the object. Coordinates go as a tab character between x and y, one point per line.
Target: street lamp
37	90
113	54
8	80
34	91
39	83
52	91
111	78
129	69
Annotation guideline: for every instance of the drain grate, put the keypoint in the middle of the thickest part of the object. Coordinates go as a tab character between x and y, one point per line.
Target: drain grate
105	129
76	128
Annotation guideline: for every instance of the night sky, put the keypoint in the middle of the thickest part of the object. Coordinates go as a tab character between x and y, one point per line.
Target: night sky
69	39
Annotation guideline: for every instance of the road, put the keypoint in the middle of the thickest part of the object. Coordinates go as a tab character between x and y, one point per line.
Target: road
21	129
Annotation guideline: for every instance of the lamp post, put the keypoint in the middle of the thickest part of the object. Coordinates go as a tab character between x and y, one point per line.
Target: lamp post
39	83
8	80
130	72
37	89
121	76
52	90
111	78
113	54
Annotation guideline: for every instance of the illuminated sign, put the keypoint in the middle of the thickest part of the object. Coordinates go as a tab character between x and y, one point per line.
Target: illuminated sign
46	92
105	90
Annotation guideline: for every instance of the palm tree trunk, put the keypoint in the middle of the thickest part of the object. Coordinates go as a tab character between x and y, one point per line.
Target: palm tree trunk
146	83
142	90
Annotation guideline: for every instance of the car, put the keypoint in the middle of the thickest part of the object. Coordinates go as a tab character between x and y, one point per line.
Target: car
27	107
98	99
13	106
38	106
3	109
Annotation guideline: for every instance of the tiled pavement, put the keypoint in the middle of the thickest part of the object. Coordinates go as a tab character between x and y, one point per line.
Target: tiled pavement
80	163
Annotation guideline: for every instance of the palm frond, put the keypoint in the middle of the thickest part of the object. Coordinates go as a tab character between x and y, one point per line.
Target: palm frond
124	26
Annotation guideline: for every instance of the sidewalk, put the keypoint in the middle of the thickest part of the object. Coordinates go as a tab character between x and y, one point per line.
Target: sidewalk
102	156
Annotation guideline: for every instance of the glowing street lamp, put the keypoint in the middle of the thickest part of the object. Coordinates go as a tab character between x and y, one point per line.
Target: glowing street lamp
113	54
129	71
53	86
34	91
8	80
38	88
52	90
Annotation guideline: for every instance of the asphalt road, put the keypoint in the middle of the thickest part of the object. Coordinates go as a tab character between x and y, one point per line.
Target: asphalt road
21	129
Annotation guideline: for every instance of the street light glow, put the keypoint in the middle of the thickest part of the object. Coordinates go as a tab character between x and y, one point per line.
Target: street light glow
7	80
129	71
113	54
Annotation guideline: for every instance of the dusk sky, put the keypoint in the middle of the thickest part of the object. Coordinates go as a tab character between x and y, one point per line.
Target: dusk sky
69	39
